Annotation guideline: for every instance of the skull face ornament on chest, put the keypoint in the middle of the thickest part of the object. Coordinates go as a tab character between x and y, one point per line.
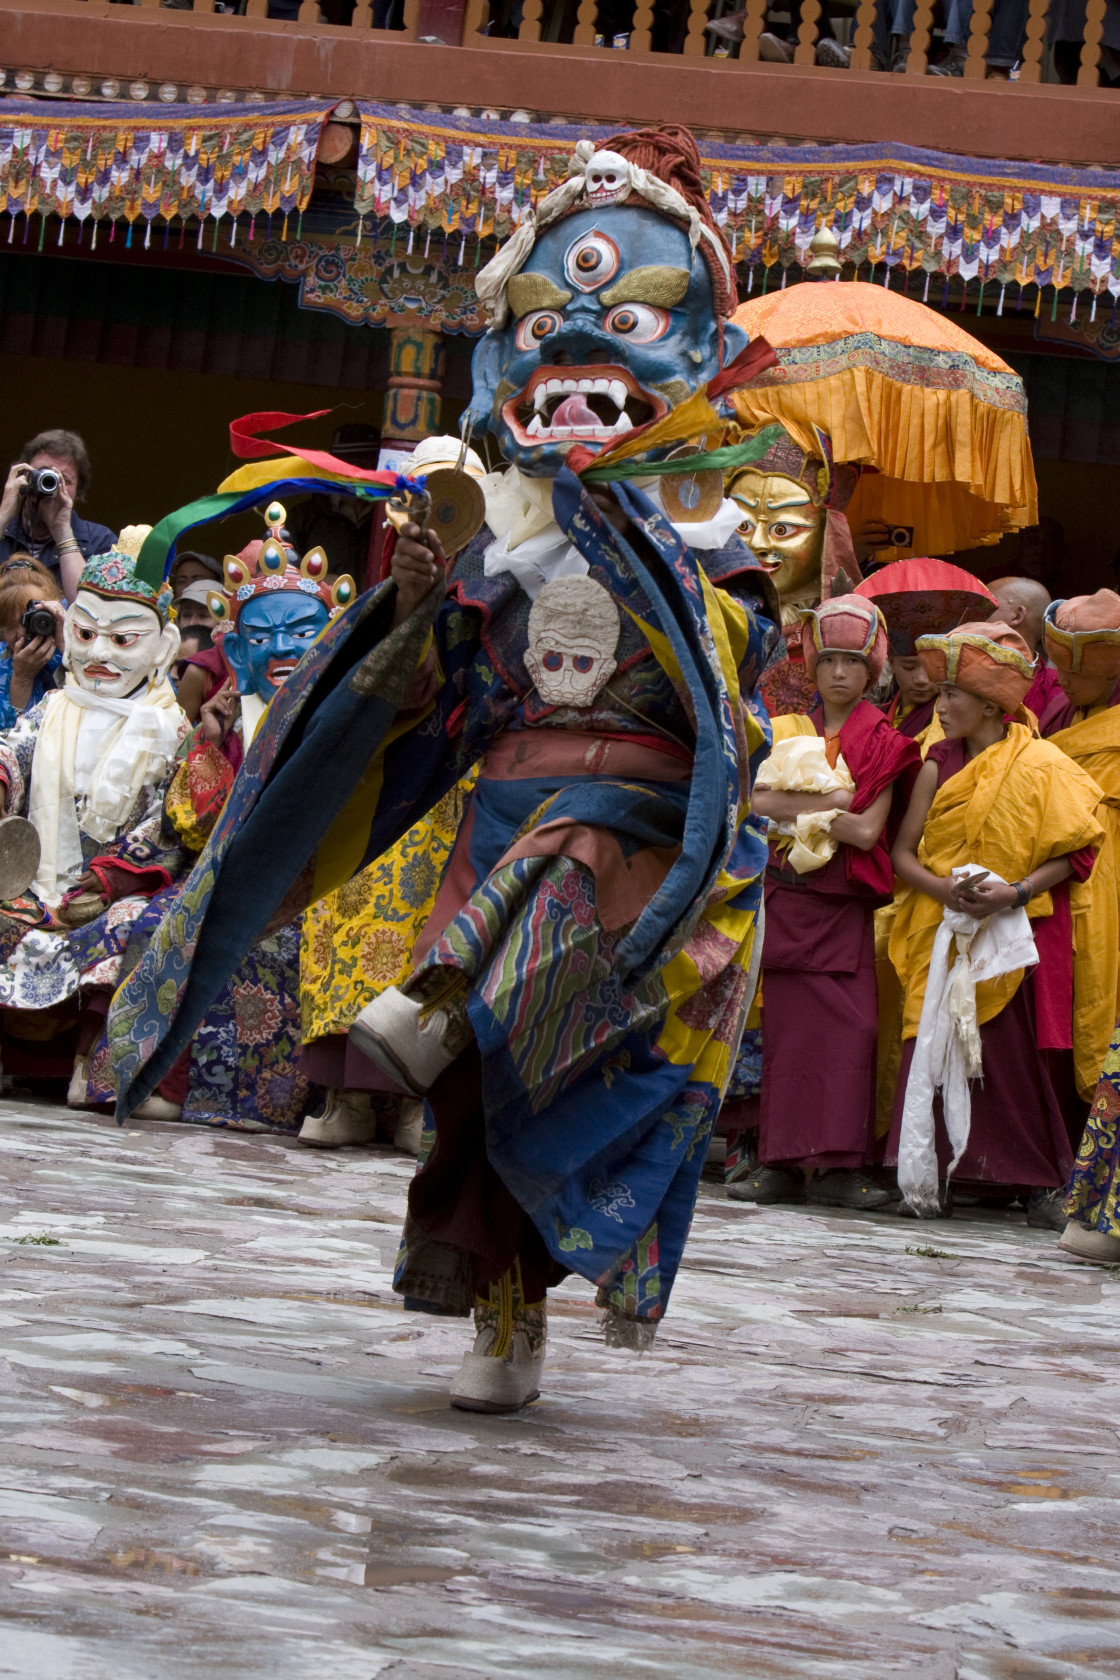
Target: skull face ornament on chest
573	635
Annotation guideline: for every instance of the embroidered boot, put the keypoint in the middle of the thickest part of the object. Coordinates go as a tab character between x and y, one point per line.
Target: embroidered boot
502	1372
414	1035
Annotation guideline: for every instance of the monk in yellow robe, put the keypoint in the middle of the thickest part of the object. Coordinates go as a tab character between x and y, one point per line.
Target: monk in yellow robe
916	597
994	796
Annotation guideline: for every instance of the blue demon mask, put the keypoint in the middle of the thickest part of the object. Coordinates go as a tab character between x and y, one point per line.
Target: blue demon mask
611	322
272	635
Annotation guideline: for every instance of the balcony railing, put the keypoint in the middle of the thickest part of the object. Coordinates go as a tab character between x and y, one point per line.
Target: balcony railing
904	36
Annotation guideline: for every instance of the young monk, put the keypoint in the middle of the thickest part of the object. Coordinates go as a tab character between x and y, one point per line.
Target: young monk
819	1017
917	597
993	795
1082	641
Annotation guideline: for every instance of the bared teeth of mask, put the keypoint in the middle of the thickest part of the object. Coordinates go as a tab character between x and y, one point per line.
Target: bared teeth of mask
536	426
618	393
540	397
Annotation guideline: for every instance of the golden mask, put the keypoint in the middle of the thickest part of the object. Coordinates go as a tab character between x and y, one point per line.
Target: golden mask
784	528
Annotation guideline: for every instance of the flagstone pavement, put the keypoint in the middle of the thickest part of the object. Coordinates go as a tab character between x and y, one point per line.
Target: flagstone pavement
860	1448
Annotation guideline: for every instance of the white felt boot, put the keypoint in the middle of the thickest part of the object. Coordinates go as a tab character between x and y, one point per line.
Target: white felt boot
409	1049
78	1093
502	1372
157	1108
347	1119
1095	1248
409	1128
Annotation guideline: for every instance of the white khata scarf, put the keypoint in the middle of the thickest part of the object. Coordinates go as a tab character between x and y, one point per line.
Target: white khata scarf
529	544
87	780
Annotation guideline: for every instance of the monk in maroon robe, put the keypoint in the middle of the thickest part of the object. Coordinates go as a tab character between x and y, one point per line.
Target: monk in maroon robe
819	997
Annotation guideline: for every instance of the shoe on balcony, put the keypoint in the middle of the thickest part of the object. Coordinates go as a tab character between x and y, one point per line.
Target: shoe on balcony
346	1120
729	28
773	50
831	55
951	65
403	1042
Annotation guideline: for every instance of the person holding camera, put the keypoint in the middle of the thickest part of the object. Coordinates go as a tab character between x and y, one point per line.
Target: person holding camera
31	616
37	508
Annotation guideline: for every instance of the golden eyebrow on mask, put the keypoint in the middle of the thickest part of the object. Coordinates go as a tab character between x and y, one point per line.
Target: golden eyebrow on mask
658	284
534	291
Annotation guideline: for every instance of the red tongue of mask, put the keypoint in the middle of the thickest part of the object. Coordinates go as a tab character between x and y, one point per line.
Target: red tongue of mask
573	411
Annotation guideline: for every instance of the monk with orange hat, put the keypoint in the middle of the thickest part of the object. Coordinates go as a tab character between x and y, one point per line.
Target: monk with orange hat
820	1016
993	799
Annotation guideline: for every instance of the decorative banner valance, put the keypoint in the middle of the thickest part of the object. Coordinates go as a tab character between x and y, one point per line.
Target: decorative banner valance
151	167
453	182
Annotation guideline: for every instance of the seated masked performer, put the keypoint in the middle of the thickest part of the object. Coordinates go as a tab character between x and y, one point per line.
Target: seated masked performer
819	1000
581	985
993	796
359	940
242	1068
87	765
794	523
1081	638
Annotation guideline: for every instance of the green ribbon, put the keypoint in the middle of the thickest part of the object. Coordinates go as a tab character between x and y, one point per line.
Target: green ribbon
718	460
151	563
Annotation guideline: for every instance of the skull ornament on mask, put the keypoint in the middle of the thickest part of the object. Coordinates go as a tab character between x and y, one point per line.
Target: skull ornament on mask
573	635
608	179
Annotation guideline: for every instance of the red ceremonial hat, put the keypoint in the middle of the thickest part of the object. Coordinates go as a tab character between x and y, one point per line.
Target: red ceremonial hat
925	597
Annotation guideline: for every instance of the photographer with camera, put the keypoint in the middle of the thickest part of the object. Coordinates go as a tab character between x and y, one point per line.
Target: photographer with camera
37	508
31	615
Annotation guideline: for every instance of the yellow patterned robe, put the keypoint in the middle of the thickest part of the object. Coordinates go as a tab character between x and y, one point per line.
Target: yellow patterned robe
359	939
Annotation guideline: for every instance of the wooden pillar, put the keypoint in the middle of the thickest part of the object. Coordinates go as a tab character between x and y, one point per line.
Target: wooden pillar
412	399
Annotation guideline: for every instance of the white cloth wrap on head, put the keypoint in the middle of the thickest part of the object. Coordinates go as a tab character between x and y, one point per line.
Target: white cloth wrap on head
947	1050
93	757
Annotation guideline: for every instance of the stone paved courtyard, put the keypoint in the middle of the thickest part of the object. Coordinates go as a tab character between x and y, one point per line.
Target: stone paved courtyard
859	1449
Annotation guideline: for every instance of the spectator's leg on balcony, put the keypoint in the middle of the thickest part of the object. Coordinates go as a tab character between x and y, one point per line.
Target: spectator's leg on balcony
958	20
1006	36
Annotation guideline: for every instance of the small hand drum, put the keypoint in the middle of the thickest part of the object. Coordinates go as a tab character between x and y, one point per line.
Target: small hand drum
458	510
19	856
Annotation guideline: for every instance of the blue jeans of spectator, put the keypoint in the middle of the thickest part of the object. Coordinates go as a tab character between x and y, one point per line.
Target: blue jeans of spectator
1005	37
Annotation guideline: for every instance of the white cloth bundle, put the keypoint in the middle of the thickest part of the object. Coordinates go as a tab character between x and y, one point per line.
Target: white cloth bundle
947	1050
88	779
799	764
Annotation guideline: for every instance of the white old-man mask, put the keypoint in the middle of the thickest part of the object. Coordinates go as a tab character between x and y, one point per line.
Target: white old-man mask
117	648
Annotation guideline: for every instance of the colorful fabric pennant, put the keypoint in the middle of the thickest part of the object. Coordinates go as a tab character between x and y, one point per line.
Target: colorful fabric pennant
906	214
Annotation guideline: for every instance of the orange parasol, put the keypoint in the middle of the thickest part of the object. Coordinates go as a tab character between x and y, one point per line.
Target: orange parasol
901	390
